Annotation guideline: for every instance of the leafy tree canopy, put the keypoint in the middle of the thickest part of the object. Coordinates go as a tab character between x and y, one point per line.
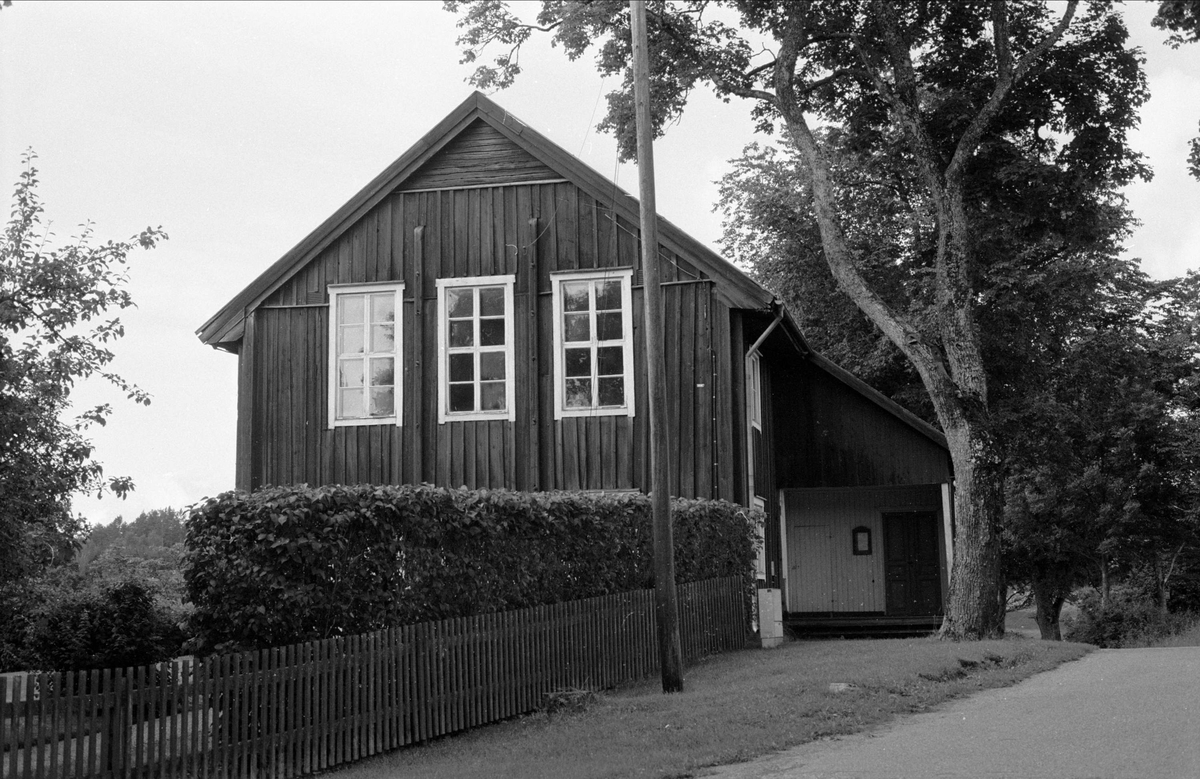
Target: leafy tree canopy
948	109
1182	19
55	329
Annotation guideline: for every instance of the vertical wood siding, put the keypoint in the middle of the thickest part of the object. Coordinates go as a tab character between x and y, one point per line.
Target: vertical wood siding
530	231
824	575
834	437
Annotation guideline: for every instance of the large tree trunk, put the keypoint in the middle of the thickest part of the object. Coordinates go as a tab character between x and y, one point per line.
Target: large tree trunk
950	360
1050	590
974	608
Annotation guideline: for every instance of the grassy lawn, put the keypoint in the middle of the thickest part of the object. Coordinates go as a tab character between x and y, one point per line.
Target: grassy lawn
735	707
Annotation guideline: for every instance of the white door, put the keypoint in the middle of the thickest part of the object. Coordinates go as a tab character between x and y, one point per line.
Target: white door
810	584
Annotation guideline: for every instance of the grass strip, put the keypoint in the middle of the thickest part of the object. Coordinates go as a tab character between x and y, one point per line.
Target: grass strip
735	707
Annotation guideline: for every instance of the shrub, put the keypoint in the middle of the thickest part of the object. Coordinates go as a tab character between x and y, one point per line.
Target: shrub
1130	618
292	564
118	626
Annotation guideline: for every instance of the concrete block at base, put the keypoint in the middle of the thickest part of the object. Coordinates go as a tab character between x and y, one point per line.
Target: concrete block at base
770	617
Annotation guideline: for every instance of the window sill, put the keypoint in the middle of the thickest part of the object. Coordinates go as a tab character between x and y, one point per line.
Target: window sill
564	413
476	417
392	421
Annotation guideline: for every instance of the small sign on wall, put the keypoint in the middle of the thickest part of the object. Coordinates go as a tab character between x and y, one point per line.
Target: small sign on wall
861	537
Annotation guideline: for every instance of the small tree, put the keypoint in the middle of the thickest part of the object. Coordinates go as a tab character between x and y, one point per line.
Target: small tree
54	331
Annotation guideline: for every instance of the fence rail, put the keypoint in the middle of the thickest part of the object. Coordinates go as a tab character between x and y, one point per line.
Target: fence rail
294	710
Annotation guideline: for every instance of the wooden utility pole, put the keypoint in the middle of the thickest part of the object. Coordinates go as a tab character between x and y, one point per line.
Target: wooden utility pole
666	607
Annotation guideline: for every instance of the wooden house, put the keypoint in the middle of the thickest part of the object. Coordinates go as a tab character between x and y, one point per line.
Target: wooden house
474	317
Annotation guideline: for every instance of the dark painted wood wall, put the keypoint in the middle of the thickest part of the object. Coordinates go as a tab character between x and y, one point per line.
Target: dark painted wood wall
528	230
832	436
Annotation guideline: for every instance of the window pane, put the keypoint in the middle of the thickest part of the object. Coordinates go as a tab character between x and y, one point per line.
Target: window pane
351	338
382	372
612	391
383	338
491	366
352	403
609	361
462	333
491	301
350	308
462	367
460	302
491	396
579	393
491	332
608	326
462	397
350	373
383	402
383	307
576	328
608	295
577	362
575	295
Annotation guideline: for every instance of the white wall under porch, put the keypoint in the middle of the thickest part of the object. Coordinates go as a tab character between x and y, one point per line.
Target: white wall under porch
823	575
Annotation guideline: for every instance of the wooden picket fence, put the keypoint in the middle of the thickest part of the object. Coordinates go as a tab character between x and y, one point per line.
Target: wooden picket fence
303	708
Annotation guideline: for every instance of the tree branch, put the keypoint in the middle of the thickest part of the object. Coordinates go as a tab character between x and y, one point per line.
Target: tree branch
1007	75
903	333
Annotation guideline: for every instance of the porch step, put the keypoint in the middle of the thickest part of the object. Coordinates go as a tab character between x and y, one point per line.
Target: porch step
808	626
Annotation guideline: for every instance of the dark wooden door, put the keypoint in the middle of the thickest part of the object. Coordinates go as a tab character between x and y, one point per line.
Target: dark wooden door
912	572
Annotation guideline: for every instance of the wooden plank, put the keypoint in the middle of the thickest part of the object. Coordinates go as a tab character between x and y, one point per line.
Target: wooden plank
531	433
489	258
724	411
77	724
246	406
685	391
568	452
51	722
292	706
474	454
586	221
423	695
566	225
356	238
33	726
479	156
596	454
222	712
469	231
9	744
704	381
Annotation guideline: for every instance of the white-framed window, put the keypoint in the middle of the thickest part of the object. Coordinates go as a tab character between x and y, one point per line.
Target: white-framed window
475	348
754	429
365	351
593	343
760	562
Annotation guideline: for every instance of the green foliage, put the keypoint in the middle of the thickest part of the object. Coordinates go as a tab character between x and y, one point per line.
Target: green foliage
290	564
1182	18
940	154
1130	618
54	331
121	626
1104	448
145	552
149	549
59	620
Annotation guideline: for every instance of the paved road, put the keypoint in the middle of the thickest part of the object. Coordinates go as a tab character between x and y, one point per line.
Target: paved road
1119	713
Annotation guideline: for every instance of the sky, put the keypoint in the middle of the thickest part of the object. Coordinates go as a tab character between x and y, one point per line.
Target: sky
239	127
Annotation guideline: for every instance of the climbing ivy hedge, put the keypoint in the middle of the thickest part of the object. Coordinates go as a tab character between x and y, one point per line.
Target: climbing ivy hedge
290	564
